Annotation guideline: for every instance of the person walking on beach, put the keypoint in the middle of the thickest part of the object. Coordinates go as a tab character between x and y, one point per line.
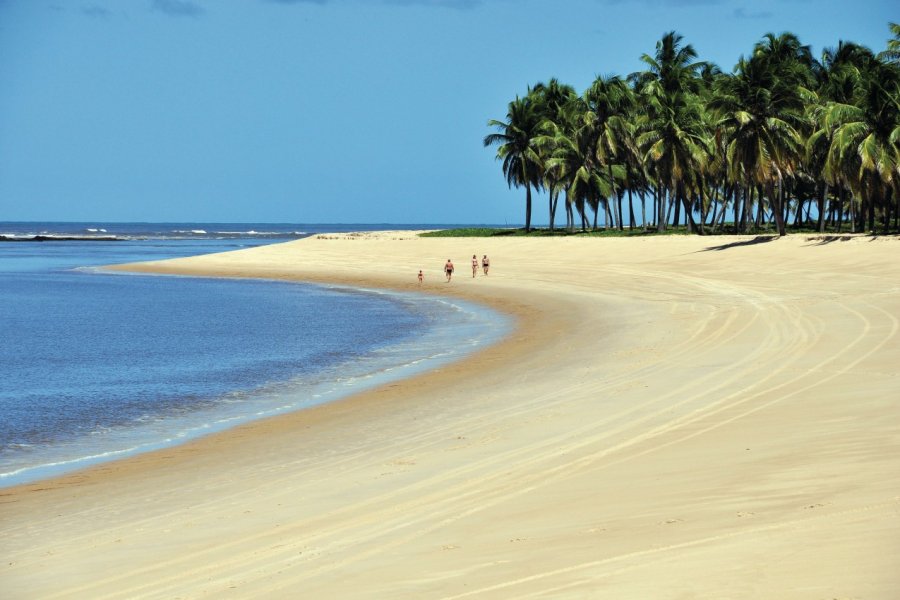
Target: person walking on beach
474	265
421	276
485	264
448	269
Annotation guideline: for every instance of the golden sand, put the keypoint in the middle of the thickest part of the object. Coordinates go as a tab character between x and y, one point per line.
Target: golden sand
676	417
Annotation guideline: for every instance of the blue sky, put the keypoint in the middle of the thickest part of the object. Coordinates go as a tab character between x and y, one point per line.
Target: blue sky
322	111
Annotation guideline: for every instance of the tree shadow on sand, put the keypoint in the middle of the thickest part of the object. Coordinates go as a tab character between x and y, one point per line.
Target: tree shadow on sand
821	240
760	239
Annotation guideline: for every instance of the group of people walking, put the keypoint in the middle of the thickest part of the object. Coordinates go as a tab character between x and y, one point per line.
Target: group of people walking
484	263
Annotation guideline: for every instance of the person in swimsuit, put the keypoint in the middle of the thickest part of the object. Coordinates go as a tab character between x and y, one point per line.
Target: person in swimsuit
448	269
474	265
421	276
485	264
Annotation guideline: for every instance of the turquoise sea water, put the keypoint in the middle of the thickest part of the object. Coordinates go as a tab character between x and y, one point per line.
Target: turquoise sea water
96	366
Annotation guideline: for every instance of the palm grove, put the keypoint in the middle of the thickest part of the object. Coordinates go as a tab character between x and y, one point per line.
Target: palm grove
784	139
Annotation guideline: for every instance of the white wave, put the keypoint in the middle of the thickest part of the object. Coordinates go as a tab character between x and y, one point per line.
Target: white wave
93	458
259	233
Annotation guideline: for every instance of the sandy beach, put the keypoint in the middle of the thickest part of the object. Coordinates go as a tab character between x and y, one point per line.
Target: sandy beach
672	417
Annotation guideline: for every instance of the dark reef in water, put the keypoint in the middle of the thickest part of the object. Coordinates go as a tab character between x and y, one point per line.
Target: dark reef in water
61	238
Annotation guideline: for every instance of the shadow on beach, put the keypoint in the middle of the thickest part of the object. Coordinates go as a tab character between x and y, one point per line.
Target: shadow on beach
821	240
760	239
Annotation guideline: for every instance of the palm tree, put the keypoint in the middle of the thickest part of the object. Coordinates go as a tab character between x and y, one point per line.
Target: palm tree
670	137
779	133
837	75
522	164
574	161
762	105
892	53
552	98
791	66
607	105
866	135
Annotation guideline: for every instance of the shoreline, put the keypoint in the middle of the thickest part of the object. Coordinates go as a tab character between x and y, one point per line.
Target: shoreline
420	353
677	415
494	354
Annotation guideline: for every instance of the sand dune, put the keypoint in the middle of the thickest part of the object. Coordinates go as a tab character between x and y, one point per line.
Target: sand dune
675	417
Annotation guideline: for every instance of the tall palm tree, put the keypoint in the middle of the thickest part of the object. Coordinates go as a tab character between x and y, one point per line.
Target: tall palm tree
837	76
670	137
777	134
791	64
552	98
867	133
574	161
762	105
522	164
608	104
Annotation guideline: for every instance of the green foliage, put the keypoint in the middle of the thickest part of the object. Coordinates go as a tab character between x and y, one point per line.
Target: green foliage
719	152
470	232
540	232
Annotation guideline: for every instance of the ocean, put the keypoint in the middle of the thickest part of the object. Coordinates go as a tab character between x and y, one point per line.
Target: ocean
96	366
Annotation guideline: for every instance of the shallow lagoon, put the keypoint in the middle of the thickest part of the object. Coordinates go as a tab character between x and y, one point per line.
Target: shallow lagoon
98	366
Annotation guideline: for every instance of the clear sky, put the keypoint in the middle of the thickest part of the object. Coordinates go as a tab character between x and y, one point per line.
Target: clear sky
323	111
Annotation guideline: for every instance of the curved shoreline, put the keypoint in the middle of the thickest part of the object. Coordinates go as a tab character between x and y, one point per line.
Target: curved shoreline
670	417
173	267
182	266
425	350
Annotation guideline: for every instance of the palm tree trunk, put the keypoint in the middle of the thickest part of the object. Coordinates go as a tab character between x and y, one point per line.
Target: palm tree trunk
619	210
798	215
871	198
673	204
831	206
675	200
617	207
642	194
746	207
703	205
582	212
777	208
527	208
632	221
702	212
820	226
897	213
661	215
782	202
734	195
760	207
554	198
688	213
840	206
